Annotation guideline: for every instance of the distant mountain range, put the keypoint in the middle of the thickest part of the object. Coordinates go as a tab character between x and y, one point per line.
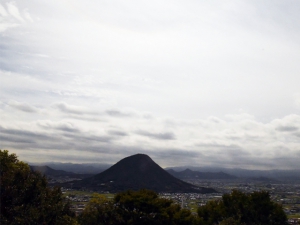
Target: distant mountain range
137	172
212	172
282	175
52	173
84	168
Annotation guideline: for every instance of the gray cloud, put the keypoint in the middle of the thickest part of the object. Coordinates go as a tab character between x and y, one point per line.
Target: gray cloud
24	133
167	157
112	154
217	146
67	127
216	149
117	133
89	147
85	113
287	128
297	134
90	138
23	107
70	109
125	80
159	136
15	139
117	113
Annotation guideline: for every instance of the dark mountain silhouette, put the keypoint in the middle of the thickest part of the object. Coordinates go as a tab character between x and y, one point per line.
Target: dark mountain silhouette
80	168
280	175
52	173
137	172
190	174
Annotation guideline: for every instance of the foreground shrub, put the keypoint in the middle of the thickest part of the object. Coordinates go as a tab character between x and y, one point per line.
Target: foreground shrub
26	197
240	208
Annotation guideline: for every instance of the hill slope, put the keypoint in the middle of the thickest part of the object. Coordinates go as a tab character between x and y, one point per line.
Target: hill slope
52	173
137	172
190	174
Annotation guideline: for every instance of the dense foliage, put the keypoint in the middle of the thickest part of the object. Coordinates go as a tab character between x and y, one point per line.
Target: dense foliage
26	198
134	208
239	208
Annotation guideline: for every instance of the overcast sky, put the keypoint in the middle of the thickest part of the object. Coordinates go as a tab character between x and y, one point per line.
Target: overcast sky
202	83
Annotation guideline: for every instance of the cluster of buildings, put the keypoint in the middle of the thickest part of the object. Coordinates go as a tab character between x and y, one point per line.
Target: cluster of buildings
287	194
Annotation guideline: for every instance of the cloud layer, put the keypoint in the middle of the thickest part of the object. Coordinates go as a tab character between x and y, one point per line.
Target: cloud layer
239	140
197	83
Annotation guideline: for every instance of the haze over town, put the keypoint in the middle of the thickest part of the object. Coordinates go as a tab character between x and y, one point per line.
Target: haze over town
199	83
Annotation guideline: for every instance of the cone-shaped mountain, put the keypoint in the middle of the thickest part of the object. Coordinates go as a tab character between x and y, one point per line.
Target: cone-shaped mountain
137	172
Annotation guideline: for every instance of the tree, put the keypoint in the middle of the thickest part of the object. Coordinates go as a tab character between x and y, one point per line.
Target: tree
145	207
26	197
240	208
211	213
134	208
99	211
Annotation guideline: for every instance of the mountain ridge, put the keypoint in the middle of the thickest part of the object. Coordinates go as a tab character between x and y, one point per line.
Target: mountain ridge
278	174
137	172
190	174
51	173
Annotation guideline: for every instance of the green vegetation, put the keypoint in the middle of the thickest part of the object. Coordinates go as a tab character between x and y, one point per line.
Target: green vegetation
193	206
134	207
296	215
240	208
85	193
75	192
27	199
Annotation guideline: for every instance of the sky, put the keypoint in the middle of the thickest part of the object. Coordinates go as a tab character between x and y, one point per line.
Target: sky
198	83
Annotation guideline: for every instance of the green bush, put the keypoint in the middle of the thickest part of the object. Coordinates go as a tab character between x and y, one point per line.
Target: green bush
26	197
240	208
135	208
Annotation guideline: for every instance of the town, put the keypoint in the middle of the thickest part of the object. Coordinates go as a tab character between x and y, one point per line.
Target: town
286	194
